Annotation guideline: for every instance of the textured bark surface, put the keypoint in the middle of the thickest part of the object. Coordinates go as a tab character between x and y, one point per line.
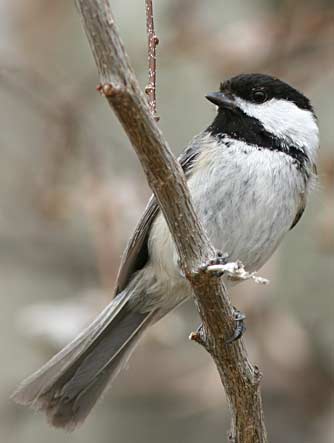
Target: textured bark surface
166	179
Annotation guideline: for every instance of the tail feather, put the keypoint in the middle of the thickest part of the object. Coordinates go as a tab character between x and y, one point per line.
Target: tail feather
77	403
105	351
29	390
69	385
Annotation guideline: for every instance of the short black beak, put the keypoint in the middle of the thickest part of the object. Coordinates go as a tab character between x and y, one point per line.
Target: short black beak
221	100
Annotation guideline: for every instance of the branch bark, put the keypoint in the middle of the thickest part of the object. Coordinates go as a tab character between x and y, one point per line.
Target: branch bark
167	181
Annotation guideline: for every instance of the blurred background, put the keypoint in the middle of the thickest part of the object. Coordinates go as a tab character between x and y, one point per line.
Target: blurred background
71	191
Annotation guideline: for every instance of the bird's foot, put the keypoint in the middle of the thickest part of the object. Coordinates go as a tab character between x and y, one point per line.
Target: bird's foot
215	265
240	327
235	272
200	337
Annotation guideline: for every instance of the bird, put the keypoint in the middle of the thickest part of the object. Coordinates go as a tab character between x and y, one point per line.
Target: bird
249	173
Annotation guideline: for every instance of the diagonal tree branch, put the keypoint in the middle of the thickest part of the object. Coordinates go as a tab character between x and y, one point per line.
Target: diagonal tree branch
166	179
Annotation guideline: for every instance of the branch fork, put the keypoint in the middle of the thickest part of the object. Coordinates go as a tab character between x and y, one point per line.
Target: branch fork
199	337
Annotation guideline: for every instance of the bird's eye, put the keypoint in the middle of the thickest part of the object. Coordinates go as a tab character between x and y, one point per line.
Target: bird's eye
259	96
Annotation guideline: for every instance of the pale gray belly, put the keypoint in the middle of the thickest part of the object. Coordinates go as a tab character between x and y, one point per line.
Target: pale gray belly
246	210
246	207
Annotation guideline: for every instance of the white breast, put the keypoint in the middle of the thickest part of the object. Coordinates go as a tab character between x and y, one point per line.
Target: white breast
247	199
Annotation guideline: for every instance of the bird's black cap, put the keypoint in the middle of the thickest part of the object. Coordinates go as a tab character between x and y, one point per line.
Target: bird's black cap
261	87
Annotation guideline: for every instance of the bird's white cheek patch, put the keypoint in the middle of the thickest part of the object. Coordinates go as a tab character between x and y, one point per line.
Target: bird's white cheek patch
285	120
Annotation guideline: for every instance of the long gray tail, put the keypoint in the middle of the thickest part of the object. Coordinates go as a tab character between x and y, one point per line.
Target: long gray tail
68	386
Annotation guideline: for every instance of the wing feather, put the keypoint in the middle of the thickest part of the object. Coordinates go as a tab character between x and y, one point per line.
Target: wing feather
300	211
136	253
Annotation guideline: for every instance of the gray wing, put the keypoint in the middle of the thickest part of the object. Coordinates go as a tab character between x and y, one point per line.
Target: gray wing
302	204
136	253
300	211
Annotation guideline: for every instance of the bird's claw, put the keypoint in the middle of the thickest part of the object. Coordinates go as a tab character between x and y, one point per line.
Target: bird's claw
240	327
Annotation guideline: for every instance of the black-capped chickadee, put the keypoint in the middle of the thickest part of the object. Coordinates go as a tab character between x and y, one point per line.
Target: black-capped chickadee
249	174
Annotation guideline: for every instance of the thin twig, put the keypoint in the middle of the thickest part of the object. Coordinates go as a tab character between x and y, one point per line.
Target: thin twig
152	42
